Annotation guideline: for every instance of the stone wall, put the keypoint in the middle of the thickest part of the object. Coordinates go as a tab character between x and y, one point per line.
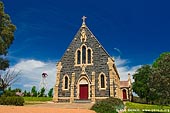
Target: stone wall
100	58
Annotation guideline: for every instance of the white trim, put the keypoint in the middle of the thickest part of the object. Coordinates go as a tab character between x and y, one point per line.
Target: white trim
63	97
81	52
101	97
63	83
99	81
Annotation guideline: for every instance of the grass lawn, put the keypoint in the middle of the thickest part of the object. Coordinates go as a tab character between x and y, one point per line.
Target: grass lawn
36	100
142	108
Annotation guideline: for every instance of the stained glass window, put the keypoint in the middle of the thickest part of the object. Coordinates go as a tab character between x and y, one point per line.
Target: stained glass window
89	56
66	83
102	81
78	57
84	55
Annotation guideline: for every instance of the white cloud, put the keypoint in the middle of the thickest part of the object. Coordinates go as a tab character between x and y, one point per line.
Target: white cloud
118	50
124	69
31	73
120	62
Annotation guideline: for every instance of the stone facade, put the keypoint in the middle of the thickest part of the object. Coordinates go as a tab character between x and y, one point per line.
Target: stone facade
86	67
126	89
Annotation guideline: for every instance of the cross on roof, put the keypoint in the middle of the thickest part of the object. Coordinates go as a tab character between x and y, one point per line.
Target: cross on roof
84	19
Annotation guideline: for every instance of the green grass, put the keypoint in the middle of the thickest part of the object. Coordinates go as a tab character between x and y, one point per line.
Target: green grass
42	99
141	108
36	100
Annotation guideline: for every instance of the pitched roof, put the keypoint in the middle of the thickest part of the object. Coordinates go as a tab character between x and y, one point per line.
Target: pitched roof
85	26
124	84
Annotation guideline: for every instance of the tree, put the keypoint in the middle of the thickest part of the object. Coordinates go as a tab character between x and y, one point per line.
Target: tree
6	36
50	93
42	92
160	81
153	82
34	91
25	93
9	78
141	80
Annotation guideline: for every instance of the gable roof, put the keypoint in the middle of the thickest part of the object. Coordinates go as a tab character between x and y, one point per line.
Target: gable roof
124	84
85	26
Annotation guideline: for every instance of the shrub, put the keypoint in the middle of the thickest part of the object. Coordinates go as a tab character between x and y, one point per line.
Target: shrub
18	101
109	105
139	100
8	93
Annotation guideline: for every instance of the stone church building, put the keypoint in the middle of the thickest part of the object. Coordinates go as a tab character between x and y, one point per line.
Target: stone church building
87	72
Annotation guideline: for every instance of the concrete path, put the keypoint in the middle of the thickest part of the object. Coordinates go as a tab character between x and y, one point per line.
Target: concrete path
29	109
63	105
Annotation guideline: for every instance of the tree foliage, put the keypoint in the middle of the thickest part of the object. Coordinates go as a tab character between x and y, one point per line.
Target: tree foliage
6	36
34	91
160	81
50	93
153	82
42	92
141	78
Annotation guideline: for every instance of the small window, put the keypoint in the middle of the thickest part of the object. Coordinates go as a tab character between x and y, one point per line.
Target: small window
89	56
78	57
84	55
102	81
66	83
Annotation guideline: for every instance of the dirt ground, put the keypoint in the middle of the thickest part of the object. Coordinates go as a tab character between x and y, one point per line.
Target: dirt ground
49	108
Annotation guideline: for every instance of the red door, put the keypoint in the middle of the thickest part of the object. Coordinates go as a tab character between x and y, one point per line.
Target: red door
124	95
84	92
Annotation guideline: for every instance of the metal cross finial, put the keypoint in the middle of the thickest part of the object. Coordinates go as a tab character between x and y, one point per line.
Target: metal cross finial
84	19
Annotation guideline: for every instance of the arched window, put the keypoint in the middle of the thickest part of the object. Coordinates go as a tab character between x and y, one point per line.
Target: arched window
66	83
89	56
102	81
78	56
84	55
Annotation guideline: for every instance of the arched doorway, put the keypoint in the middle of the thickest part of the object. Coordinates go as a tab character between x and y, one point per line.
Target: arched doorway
124	94
83	89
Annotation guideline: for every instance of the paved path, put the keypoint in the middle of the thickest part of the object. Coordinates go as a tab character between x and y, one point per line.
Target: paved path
49	108
64	105
24	109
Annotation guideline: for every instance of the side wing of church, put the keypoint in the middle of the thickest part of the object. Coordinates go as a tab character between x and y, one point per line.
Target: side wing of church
86	71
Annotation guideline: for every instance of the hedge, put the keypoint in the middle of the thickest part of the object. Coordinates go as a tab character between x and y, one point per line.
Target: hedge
109	105
15	100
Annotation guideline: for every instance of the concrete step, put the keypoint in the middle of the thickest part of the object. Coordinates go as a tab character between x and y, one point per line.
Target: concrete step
82	101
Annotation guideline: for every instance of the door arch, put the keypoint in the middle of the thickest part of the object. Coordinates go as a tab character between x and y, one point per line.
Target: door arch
124	94
83	88
83	91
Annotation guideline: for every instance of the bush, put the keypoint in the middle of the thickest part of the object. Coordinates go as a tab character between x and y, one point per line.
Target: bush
109	105
139	100
18	101
9	93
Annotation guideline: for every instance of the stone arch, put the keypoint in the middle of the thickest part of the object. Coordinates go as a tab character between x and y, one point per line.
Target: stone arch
125	94
63	82
99	81
82	54
83	80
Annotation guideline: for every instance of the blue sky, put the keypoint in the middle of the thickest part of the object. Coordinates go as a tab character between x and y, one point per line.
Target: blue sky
135	32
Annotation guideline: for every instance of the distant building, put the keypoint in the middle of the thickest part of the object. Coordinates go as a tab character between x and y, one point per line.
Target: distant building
126	88
86	71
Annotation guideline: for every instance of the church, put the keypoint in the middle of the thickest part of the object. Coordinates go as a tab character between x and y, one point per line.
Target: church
87	72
